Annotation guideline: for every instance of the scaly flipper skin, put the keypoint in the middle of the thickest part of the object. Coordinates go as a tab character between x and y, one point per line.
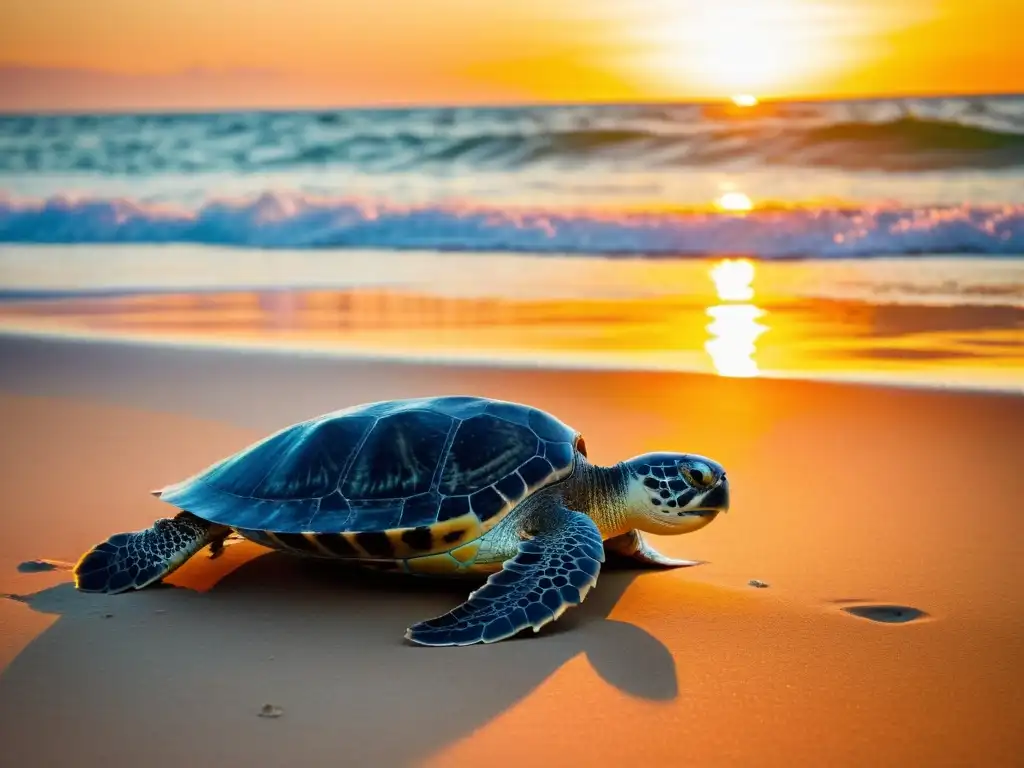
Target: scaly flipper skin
552	571
637	553
135	560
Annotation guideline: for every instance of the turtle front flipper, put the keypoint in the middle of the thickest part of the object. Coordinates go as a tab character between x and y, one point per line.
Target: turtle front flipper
631	549
135	560
552	571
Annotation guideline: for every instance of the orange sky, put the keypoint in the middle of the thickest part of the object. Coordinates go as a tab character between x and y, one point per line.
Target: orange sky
208	53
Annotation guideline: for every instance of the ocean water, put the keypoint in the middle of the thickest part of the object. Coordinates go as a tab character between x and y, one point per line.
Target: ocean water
906	202
869	178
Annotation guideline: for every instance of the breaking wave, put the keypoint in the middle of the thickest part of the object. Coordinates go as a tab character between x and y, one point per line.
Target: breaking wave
295	221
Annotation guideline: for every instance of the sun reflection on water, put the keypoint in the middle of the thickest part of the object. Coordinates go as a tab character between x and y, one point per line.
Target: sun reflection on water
734	328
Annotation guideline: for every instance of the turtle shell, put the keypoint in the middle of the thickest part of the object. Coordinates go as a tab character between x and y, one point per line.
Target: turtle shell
387	480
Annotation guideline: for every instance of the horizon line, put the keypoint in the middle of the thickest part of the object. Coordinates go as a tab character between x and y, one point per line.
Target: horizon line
725	100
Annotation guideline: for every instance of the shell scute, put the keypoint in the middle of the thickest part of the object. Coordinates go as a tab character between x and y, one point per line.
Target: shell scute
545	426
560	454
240	474
333	514
460	406
370	515
452	507
399	456
511	412
282	515
535	471
484	449
512	487
420	510
309	467
487	503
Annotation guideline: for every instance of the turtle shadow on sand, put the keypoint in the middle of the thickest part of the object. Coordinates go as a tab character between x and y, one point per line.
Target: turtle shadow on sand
321	642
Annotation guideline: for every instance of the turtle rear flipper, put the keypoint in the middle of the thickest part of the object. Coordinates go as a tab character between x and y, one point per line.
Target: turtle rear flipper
135	560
551	572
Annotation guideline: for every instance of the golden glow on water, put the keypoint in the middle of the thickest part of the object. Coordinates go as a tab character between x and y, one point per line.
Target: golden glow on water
734	201
733	279
731	317
734	329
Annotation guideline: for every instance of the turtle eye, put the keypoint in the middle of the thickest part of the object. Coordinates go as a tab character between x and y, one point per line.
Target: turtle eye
698	475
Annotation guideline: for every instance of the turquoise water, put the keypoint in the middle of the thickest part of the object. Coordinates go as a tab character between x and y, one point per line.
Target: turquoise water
826	180
871	240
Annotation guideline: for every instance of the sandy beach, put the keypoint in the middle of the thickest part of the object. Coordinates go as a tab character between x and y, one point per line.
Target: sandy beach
843	496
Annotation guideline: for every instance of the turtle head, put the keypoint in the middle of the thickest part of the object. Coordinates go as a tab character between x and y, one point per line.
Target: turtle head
671	493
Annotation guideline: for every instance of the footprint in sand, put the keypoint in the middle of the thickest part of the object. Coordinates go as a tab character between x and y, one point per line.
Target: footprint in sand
888	614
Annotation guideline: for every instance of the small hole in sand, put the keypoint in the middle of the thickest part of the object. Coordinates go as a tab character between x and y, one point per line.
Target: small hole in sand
889	614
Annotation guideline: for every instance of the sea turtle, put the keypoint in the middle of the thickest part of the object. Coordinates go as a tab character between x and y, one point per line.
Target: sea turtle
452	485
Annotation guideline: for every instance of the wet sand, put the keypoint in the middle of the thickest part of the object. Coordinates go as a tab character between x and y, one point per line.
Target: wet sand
931	321
845	497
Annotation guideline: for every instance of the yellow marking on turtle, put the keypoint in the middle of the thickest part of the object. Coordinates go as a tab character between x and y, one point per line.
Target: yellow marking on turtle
513	501
485	568
300	543
556	476
443	563
497	517
466	552
412	542
380	545
561	474
335	545
444	536
351	539
314	539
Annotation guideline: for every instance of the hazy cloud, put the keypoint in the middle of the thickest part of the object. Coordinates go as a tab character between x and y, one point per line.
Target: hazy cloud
33	89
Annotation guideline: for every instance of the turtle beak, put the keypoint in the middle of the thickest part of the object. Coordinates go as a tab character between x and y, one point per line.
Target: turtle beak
717	499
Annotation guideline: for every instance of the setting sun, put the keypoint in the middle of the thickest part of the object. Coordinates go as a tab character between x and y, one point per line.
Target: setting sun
735	201
751	46
304	53
744	100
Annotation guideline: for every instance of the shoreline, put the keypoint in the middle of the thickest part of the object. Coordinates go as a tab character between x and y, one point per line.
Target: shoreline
528	361
954	325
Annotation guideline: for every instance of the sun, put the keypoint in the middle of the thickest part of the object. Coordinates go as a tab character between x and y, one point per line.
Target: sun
744	49
748	46
736	202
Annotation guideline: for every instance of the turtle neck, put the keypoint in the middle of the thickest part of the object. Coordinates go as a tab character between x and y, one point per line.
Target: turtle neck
601	493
